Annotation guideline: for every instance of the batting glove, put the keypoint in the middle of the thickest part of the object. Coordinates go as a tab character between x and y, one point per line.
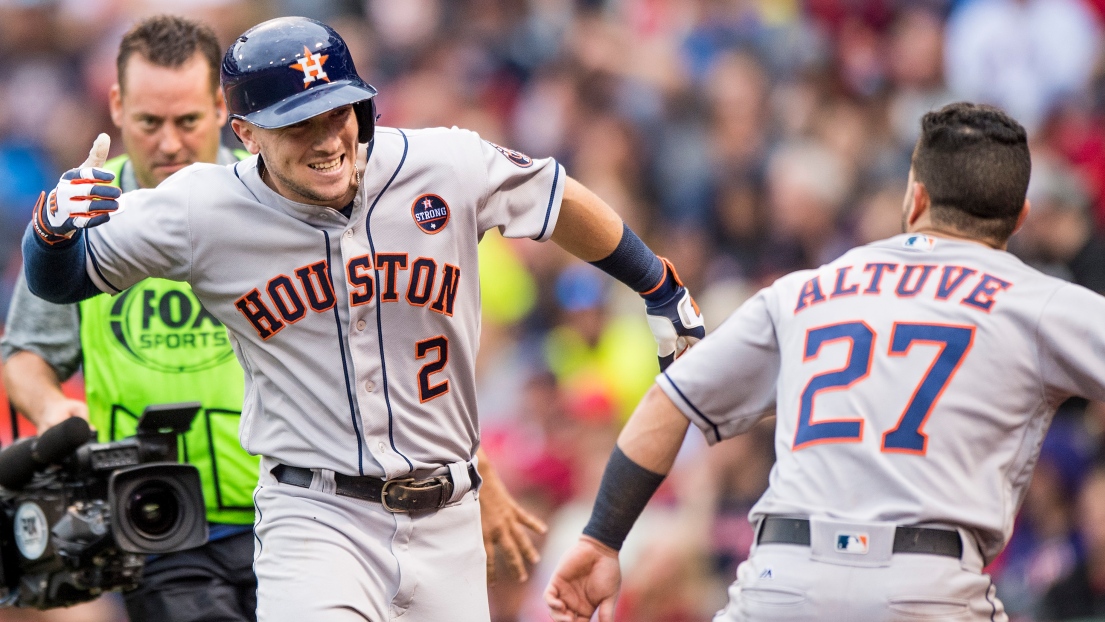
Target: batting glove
84	197
673	316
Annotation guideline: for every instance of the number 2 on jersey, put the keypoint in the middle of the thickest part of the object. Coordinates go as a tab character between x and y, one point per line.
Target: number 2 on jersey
907	436
422	349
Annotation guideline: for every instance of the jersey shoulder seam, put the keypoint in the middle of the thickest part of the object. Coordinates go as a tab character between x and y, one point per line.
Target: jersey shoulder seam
774	313
419	133
483	173
1036	341
195	168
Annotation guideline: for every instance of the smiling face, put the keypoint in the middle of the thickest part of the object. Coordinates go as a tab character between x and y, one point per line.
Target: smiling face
311	161
169	117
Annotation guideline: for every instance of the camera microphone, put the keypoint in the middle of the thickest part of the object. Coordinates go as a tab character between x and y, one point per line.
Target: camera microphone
19	462
53	445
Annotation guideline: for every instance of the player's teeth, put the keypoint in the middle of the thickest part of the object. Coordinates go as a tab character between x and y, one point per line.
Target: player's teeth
326	166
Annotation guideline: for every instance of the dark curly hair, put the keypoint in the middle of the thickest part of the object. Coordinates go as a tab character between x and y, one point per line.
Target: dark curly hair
974	162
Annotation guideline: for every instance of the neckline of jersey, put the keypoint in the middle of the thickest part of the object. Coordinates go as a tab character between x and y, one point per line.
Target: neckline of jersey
306	212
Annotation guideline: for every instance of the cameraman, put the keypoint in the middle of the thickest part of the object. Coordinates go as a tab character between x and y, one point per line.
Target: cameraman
155	343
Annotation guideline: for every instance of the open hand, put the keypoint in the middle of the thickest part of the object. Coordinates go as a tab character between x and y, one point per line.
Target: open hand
587	578
504	525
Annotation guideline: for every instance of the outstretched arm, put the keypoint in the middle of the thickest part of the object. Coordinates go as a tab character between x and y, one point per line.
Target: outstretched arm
588	576
653	435
56	273
35	391
589	229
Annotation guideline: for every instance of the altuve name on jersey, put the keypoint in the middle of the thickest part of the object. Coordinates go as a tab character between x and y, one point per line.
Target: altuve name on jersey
956	283
285	300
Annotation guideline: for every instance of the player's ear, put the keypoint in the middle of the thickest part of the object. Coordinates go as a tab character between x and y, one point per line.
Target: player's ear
1024	216
115	104
920	203
244	131
220	107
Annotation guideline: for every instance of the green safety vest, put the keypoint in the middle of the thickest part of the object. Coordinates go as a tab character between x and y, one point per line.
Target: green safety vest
156	344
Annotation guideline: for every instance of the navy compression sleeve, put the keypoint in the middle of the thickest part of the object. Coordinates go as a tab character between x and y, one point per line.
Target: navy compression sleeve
57	273
623	494
634	264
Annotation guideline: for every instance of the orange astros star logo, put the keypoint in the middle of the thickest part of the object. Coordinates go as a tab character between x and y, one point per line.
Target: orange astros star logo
311	66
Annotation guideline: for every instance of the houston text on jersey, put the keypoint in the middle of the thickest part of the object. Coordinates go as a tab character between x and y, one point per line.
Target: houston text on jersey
286	300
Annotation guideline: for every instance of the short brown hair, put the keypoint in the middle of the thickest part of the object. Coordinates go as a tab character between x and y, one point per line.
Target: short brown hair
170	41
974	162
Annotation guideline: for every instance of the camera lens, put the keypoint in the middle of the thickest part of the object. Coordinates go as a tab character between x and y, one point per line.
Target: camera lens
153	508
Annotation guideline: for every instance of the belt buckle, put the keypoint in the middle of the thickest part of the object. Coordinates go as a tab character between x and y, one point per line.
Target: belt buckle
384	493
446	484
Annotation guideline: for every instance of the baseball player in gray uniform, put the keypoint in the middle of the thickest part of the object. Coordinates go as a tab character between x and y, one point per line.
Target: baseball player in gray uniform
912	379
342	261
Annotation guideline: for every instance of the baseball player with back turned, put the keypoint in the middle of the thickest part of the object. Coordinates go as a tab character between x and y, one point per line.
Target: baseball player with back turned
342	260
913	380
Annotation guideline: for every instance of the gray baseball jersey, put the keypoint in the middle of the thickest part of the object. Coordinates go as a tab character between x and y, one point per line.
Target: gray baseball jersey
358	335
913	381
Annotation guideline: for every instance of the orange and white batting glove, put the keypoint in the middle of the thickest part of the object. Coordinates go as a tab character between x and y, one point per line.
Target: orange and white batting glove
673	316
84	197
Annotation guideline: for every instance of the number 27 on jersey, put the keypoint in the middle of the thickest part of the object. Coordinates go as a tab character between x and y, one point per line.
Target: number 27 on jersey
908	435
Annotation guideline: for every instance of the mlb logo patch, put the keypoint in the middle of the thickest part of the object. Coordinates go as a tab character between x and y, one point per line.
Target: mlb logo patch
851	543
517	157
919	242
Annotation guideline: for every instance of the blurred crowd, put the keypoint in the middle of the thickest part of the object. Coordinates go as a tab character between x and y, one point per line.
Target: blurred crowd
743	139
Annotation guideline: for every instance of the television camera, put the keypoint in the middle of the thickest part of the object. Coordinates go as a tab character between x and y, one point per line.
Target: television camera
78	518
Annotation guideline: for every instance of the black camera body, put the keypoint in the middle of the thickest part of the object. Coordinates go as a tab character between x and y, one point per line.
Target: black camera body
77	518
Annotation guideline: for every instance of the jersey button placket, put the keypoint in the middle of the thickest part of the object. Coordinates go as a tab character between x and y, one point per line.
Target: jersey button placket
362	342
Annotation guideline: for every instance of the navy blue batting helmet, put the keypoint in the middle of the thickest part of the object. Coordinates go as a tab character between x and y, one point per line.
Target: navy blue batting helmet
290	69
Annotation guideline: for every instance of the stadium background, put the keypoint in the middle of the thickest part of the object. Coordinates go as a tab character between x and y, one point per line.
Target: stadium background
743	139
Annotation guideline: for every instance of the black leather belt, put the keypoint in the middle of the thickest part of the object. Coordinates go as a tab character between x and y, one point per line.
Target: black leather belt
396	495
779	530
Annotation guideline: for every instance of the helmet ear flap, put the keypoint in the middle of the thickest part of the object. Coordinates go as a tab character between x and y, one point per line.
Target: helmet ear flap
366	119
